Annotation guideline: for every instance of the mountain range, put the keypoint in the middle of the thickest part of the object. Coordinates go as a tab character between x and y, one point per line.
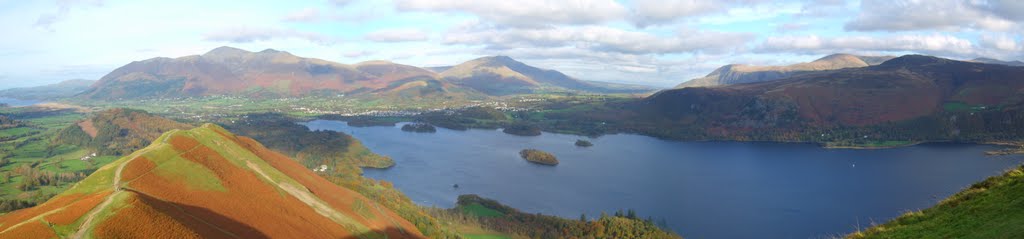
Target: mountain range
997	62
52	91
913	97
272	73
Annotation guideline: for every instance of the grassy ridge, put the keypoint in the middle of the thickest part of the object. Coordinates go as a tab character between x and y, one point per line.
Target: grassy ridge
993	208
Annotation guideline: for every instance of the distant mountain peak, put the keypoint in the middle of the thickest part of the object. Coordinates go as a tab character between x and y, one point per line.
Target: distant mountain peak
987	60
226	51
915	60
742	73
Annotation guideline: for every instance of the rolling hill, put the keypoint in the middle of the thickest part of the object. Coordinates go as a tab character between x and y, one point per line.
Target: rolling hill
739	73
117	131
206	183
502	75
63	89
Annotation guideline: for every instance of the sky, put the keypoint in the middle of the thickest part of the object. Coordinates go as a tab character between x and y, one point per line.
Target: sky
649	42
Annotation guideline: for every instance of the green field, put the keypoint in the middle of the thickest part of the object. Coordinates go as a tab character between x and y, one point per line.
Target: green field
481	211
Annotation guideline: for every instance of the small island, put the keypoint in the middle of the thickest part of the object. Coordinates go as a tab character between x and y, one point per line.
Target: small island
419	128
583	143
522	130
538	157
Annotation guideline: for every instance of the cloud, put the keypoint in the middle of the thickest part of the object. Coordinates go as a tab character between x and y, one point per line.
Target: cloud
908	15
1000	42
249	34
358	54
341	3
64	7
397	35
791	26
935	44
525	13
599	38
304	15
654	12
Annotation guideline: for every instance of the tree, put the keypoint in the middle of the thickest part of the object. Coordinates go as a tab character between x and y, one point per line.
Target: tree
583	217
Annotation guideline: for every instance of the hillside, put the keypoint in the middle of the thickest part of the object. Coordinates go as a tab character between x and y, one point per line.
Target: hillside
910	98
63	89
989	209
739	73
338	151
206	183
502	75
268	73
473	210
117	131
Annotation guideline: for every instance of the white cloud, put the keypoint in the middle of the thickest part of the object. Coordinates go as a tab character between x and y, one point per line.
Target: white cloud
258	34
341	3
1001	42
64	7
905	15
397	35
525	12
653	12
304	15
599	38
937	44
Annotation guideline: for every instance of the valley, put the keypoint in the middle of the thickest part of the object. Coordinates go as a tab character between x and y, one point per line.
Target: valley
744	147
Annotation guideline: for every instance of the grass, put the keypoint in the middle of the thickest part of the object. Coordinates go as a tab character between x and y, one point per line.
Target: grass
955	106
485	236
194	175
15	132
480	211
993	208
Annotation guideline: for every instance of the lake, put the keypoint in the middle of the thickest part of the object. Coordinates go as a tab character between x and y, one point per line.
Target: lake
18	103
701	189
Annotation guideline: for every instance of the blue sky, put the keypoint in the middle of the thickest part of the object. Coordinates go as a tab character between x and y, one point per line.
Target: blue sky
650	42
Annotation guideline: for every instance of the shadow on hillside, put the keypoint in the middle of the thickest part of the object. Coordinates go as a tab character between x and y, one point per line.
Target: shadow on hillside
211	224
214	225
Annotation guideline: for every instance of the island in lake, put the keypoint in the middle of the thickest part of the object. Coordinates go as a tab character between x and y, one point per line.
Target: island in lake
419	128
538	157
583	143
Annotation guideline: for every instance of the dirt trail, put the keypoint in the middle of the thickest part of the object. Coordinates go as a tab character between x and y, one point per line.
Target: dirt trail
82	229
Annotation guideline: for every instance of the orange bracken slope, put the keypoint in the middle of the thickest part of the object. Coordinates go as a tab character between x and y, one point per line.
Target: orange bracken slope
206	183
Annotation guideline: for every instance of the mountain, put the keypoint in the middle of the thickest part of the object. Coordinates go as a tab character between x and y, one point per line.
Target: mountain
739	73
502	75
997	62
63	89
206	183
268	73
271	73
909	98
117	131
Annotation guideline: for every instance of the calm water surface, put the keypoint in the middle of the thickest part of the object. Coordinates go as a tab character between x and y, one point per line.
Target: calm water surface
17	102
702	189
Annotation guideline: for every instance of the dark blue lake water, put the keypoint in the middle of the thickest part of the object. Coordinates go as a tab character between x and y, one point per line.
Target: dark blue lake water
17	102
702	189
